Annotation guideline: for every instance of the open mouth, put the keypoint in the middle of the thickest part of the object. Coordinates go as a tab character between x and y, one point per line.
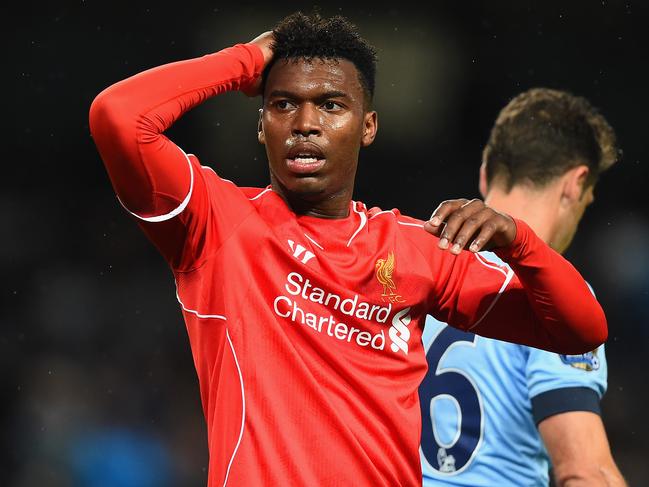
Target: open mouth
305	164
305	160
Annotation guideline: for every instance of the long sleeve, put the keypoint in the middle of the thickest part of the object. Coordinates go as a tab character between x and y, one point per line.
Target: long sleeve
154	179
542	301
562	303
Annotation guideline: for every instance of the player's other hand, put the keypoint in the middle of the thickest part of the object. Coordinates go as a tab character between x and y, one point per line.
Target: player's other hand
461	224
265	43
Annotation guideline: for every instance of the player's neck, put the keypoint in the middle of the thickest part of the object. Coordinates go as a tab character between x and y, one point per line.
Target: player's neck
536	208
330	206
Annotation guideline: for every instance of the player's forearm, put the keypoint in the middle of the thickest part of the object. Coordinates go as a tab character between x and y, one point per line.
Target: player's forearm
170	90
571	319
127	120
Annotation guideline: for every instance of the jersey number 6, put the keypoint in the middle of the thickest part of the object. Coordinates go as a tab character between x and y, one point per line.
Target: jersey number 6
451	384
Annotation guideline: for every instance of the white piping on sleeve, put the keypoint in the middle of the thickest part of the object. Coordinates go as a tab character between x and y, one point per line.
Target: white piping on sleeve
176	211
381	213
420	225
491	265
212	169
360	227
243	408
508	278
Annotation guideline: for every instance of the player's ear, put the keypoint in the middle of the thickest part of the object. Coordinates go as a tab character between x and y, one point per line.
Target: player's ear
574	183
370	126
260	128
482	181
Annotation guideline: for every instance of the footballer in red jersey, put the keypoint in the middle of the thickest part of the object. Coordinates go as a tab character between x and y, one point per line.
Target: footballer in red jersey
305	308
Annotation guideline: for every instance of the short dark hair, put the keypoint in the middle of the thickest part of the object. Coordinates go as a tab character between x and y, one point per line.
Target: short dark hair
301	36
542	133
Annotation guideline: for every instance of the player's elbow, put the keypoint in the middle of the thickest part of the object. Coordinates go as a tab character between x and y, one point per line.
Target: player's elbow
104	112
596	326
577	345
586	334
98	108
600	335
595	332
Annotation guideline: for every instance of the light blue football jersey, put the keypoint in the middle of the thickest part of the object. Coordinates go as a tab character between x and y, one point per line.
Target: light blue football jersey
478	419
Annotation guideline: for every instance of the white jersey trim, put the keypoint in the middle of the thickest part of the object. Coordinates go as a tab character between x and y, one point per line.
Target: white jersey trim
262	193
314	242
490	264
176	211
508	277
243	394
222	179
408	224
211	169
420	225
243	409
381	213
200	315
360	226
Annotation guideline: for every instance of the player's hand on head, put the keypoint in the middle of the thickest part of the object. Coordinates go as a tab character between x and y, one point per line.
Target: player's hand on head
265	43
470	224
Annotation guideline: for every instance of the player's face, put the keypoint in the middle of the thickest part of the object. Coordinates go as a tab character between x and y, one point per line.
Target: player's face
572	219
313	125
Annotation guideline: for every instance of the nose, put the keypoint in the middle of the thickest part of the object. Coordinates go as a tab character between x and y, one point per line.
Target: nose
306	121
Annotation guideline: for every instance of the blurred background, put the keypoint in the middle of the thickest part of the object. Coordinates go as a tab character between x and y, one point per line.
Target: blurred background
98	385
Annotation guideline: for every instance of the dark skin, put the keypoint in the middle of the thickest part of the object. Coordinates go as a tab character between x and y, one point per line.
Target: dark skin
315	121
315	109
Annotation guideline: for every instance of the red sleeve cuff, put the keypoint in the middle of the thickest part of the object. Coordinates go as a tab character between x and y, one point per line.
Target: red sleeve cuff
518	246
257	56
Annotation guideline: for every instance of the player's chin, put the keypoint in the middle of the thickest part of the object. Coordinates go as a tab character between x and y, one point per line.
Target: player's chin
307	187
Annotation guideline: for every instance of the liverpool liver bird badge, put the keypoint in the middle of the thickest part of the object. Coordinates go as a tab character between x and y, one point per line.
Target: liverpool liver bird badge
384	269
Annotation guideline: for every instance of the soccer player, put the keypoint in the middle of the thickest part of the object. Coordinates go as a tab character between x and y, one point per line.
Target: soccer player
483	400
305	308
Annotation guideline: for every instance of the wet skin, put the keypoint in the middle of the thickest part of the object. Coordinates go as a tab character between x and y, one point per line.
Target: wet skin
313	123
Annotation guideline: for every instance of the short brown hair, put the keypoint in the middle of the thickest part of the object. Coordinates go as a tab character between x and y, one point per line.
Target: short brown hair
543	133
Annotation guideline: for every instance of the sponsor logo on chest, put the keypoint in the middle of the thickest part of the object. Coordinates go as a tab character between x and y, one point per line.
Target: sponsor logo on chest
303	303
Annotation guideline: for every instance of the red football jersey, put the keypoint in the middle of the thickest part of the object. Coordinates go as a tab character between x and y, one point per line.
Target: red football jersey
306	332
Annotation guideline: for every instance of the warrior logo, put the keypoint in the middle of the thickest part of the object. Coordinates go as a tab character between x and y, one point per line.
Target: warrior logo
384	270
399	331
300	253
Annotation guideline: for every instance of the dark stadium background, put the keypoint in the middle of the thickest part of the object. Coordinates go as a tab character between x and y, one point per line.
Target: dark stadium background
96	374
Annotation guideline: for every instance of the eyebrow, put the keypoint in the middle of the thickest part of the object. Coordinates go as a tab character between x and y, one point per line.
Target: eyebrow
323	96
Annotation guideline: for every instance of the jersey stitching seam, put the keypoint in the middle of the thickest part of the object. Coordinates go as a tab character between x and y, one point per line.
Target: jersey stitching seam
218	249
